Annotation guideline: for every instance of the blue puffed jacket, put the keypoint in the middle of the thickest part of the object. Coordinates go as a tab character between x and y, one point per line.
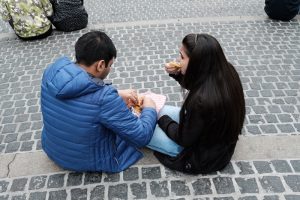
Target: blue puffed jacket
87	125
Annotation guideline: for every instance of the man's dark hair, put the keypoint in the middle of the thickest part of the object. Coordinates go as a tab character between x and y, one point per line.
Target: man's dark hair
94	46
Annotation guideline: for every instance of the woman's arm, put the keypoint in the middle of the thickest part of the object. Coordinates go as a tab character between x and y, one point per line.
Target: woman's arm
178	77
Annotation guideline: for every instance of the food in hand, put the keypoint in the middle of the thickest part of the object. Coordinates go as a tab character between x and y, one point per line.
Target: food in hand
175	64
138	106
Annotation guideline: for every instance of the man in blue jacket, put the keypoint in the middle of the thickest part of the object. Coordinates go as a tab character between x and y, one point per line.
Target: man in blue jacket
87	124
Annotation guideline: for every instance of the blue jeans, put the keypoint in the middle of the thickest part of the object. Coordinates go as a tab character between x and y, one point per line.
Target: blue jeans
160	141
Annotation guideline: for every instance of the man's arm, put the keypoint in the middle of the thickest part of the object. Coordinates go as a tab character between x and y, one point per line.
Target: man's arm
115	116
47	6
5	15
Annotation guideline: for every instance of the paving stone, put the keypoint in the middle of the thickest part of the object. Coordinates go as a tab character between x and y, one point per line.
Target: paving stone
97	193
172	173
248	198
25	136
37	135
223	198
56	181
204	198
37	196
274	109
131	174
19	197
113	177
296	165
151	172
38	145
78	194
91	178
4	197
37	125
159	189
247	185
256	119
74	179
18	184
245	168
202	186
262	166
3	186
292	197
119	191
293	181
253	130
58	195
271	118
179	188
12	147
284	118
37	182
268	128
281	166
260	109
223	185
25	126
9	128
27	146
286	128
8	120
1	138
139	190
271	197
271	184
2	147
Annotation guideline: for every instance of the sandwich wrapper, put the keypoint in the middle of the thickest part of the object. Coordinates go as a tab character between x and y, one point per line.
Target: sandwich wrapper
159	100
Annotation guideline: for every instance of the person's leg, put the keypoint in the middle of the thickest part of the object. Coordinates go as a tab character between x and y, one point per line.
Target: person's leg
160	141
172	111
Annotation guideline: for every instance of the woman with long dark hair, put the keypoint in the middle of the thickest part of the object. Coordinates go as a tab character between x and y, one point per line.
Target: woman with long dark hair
201	136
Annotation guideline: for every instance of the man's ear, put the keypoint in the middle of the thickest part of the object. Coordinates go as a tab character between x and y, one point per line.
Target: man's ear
100	65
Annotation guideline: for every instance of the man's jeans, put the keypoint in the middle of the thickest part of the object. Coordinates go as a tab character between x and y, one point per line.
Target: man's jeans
160	141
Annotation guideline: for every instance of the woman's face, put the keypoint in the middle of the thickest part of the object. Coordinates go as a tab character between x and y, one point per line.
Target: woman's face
183	59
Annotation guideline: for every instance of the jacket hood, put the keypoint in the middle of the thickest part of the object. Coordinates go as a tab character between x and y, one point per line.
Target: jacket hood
64	79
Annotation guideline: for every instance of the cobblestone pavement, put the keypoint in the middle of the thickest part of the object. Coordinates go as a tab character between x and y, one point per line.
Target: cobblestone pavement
271	179
106	11
266	54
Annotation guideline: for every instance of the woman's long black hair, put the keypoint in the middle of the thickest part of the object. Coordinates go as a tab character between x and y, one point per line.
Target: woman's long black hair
214	87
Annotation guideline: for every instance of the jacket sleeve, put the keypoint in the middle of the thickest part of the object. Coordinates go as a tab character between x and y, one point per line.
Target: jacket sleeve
177	77
191	127
115	116
47	6
4	12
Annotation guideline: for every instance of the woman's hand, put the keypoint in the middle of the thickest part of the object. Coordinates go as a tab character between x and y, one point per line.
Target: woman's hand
148	102
129	96
171	69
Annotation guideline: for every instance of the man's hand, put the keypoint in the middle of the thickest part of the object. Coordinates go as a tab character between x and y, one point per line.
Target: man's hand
129	96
